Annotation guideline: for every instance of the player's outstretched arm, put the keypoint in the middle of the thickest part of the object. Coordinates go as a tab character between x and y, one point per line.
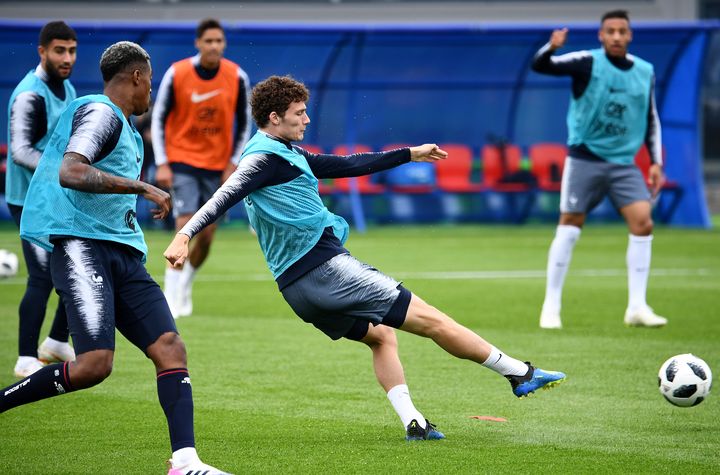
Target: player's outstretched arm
177	251
428	152
77	173
558	38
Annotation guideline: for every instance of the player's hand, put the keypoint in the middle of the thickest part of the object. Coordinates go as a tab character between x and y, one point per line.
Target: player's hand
177	251
160	198
558	38
229	170
164	176
428	152
656	178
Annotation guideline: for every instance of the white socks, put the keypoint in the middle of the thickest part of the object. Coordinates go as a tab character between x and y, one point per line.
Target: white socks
504	364
184	456
638	256
399	397
186	277
558	262
171	288
172	280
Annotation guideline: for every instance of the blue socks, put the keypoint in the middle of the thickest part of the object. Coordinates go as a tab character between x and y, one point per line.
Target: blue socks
52	380
175	395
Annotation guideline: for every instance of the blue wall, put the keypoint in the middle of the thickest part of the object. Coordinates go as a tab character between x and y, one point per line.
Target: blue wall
380	85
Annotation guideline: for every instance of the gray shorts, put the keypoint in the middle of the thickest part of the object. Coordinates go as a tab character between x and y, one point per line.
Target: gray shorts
343	295
190	190
586	182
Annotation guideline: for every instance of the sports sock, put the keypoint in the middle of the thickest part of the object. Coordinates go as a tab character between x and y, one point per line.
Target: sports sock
638	256
184	456
171	289
504	364
559	258
172	276
175	395
185	281
52	380
59	330
188	273
399	397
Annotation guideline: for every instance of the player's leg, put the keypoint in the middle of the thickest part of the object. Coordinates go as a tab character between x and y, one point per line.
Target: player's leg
144	318
340	297
567	234
185	191
207	183
580	191
32	312
425	320
382	341
80	274
630	195
32	308
55	347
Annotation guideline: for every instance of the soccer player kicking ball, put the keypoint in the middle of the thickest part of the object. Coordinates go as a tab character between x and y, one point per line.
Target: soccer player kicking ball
303	245
81	206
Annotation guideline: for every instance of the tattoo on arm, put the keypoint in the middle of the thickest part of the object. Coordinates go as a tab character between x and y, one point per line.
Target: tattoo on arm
77	173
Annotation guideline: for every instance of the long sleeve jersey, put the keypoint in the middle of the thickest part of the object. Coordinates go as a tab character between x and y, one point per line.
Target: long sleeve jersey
166	101
578	65
256	171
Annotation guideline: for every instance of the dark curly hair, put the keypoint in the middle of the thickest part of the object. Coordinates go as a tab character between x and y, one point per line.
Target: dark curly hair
122	56
275	94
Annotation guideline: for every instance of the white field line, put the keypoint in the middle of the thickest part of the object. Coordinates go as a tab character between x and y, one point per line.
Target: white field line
447	275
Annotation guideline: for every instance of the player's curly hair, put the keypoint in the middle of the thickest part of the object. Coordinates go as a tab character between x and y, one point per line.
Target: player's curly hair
122	56
275	94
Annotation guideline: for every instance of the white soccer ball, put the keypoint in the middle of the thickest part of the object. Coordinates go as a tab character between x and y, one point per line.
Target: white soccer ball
8	263
685	380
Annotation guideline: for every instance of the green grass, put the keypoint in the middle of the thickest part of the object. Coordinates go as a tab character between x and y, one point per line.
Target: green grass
273	395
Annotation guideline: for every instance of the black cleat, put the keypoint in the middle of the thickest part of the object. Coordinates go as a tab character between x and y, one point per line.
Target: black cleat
416	432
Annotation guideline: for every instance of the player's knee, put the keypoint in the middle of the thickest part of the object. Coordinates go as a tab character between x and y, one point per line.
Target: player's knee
168	351
572	219
91	369
41	282
384	336
642	227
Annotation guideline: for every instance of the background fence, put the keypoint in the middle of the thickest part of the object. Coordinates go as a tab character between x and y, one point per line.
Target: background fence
377	86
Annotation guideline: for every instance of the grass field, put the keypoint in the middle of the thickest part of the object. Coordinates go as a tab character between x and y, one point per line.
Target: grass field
273	395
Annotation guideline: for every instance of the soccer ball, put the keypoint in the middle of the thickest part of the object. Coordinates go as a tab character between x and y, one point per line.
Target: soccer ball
685	380
8	263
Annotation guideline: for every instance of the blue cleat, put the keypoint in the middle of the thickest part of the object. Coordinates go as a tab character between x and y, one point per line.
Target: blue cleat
416	432
534	379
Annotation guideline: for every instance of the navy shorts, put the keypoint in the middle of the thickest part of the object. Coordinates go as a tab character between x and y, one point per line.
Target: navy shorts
191	188
586	182
105	286
342	296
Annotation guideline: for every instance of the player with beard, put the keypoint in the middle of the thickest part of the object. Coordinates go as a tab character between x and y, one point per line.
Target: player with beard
81	206
33	111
